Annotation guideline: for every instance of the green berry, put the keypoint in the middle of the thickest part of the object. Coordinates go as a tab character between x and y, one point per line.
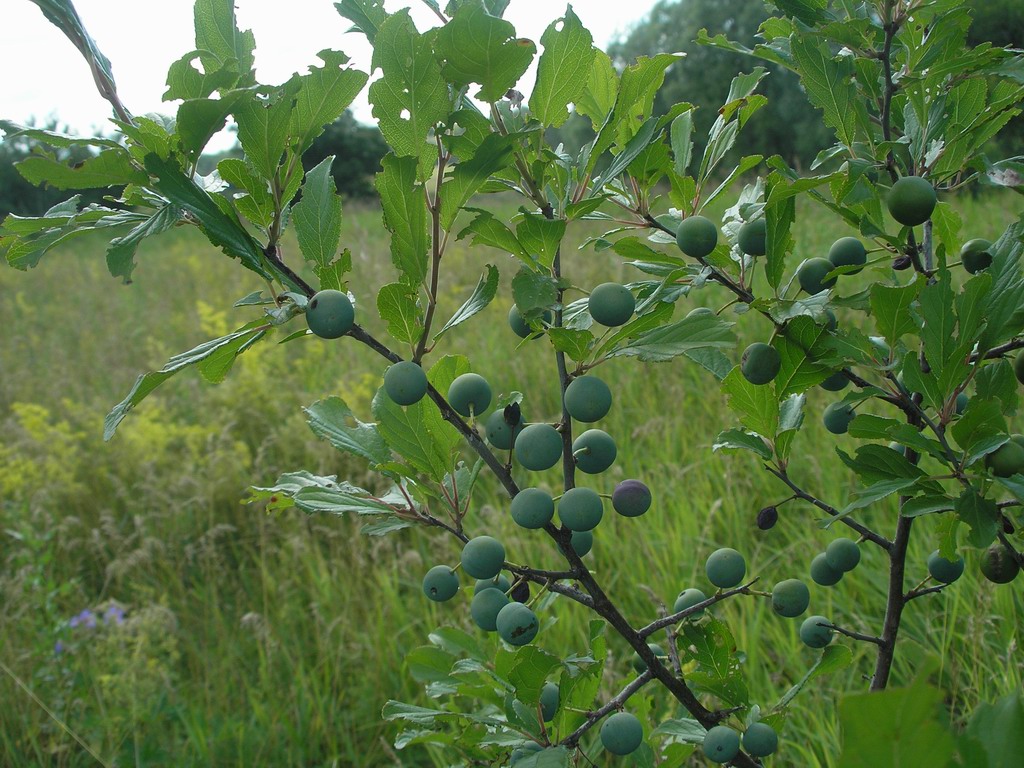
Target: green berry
522	328
594	451
631	498
697	237
760	363
330	314
483	557
831	321
1006	460
532	508
848	251
582	542
998	564
811	275
944	570
725	568
499	432
842	555
499	582
813	634
961	403
974	255
485	607
837	418
760	740
405	383
911	200
687	599
721	744
441	583
580	509
588	399
752	237
790	598
538	447
824	574
639	665
549	701
517	624
611	304
622	733
1018	367
470	394
836	382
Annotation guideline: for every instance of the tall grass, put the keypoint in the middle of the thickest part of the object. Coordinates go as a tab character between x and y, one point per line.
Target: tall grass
252	639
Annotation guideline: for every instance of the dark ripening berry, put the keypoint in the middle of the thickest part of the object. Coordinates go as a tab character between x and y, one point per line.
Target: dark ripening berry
522	328
842	555
848	252
823	573
470	394
998	564
687	599
790	598
580	509
441	583
500	432
594	451
1018	367
611	304
405	383
721	744
622	733
974	255
538	447
548	701
697	237
767	518
520	592
811	275
752	237
760	363
837	418
946	571
486	606
1006	460
483	557
911	200
330	314
725	568
760	740
813	634
532	508
631	498
517	624
588	399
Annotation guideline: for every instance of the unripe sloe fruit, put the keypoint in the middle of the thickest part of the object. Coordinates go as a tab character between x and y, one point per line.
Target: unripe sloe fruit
518	323
790	598
842	554
837	418
725	568
697	236
532	508
595	451
946	571
549	701
974	255
767	518
622	733
405	383
611	304
330	314
752	237
499	432
961	403
1018	367
499	582
588	399
580	509
848	251
687	599
582	542
1006	460
631	498
485	607
721	744
441	583
517	624
538	447
760	740
814	634
811	275
470	394
639	665
823	573
483	557
760	363
911	200
836	382
998	564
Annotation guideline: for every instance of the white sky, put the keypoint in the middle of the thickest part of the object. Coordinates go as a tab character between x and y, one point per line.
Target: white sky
42	74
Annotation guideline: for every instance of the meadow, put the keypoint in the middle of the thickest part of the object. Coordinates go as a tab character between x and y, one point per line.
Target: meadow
149	614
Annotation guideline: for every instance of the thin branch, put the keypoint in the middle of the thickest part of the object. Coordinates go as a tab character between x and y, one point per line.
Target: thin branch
675	618
854	635
611	705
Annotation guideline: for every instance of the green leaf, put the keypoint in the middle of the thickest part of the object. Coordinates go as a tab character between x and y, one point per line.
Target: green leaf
638	85
412	96
263	129
573	342
477	47
981	514
810	12
121	253
111	167
980	429
682	729
530	671
147	382
397	306
366	16
317	216
735	439
540	236
185	81
756	406
879	462
711	645
999	729
219	41
681	136
552	757
492	155
533	290
830	86
800	349
564	69
926	505
333	420
487	230
215	367
405	215
832	659
52	138
996	381
199	119
598	97
482	295
677	338
891	306
324	95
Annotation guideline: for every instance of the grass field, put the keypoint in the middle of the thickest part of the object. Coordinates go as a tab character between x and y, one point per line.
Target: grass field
248	639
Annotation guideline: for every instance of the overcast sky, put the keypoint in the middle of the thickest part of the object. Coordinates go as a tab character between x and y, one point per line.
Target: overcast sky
42	74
